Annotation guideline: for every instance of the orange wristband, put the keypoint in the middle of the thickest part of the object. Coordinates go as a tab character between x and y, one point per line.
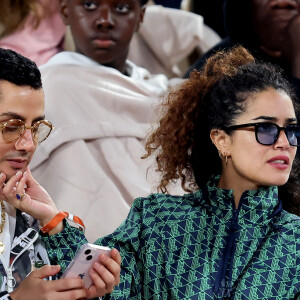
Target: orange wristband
58	218
76	220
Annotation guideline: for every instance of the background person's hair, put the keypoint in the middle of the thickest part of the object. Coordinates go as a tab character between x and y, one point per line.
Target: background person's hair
211	98
19	70
15	13
143	2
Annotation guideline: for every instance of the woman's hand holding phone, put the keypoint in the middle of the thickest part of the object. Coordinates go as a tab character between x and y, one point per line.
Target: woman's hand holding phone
105	275
98	267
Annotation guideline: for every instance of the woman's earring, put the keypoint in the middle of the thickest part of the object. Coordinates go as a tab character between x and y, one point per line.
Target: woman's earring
222	156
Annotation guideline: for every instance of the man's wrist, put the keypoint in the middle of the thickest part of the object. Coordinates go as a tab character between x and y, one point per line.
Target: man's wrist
55	225
49	218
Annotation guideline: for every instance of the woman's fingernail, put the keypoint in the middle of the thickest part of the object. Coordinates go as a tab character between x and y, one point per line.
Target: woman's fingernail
18	173
25	173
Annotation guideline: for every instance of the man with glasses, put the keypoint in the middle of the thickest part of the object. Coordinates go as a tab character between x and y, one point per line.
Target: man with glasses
23	127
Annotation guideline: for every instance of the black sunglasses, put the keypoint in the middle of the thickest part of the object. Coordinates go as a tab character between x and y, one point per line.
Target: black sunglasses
267	133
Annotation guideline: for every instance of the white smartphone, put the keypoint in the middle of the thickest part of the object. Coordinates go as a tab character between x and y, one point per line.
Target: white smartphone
83	262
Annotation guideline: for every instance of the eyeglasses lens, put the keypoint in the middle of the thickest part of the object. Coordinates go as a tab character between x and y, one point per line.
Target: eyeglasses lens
42	132
266	133
293	135
12	130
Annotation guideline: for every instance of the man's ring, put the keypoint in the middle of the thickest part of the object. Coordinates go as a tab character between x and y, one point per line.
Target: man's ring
20	196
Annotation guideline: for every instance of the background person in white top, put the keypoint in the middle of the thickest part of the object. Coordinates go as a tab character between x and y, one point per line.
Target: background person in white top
102	106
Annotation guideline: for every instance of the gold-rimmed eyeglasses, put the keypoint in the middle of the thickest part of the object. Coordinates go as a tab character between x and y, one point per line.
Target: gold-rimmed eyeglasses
15	128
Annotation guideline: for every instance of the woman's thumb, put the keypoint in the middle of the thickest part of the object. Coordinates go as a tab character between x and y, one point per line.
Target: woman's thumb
47	271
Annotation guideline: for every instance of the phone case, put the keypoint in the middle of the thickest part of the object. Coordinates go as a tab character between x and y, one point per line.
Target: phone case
83	261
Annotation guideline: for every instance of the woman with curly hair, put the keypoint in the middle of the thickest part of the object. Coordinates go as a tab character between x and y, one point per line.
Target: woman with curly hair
230	135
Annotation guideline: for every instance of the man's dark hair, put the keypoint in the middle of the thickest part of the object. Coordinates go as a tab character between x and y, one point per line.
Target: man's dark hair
19	70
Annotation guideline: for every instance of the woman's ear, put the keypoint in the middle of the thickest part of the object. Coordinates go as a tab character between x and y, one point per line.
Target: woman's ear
221	140
64	11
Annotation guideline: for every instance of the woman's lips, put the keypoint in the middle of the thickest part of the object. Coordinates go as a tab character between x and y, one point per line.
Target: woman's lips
279	162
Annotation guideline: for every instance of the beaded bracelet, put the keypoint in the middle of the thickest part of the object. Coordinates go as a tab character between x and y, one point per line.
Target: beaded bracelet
58	218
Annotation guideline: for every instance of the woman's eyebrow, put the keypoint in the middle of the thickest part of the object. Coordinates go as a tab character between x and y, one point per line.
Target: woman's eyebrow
267	118
290	120
274	119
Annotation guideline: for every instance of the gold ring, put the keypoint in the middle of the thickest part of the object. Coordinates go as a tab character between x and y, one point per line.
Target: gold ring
20	196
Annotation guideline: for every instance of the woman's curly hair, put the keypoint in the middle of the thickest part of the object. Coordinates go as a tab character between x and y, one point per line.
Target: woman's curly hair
211	98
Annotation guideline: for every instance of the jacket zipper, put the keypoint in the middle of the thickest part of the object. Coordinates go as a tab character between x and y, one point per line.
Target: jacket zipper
227	289
11	282
221	288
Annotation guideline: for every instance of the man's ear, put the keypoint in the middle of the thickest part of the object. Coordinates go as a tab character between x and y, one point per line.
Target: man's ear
141	17
221	140
64	11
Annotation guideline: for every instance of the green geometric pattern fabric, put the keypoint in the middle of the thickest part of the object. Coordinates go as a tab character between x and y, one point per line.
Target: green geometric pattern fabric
198	246
63	246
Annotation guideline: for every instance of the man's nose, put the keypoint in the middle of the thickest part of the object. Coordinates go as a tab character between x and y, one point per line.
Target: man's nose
283	4
26	142
105	17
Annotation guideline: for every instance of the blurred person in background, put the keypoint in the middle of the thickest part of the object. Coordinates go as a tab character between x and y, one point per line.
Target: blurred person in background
269	29
32	28
169	3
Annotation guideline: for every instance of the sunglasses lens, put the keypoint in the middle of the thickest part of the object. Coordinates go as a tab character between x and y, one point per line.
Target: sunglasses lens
12	130
293	135
267	133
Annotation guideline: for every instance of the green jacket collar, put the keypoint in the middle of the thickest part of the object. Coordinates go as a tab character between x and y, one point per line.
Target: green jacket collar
256	206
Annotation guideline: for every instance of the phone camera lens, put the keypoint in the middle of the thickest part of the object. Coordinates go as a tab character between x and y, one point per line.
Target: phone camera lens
88	251
89	257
